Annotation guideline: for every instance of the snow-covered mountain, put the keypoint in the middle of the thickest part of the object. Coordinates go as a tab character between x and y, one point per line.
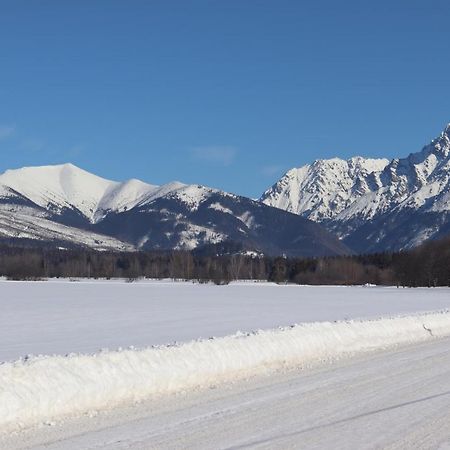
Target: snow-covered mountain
66	187
68	206
325	188
373	204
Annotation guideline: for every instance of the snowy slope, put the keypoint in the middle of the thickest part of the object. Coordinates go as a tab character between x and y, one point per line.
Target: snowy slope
34	199
20	226
358	197
66	186
325	188
69	187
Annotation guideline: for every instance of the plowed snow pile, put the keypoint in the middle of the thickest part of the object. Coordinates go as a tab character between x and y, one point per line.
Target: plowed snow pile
48	388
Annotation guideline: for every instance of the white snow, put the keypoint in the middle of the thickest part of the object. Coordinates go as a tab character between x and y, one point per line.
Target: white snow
325	188
20	224
396	399
193	195
59	317
362	189
60	185
64	317
123	196
67	186
50	388
248	220
60	188
218	207
162	191
189	239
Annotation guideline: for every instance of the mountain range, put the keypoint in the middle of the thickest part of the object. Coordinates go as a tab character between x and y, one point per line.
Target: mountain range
373	204
66	206
330	207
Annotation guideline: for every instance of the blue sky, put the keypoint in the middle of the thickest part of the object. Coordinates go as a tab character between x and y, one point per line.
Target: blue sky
225	93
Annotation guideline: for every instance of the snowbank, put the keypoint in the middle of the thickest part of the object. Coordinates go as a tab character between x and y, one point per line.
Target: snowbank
48	388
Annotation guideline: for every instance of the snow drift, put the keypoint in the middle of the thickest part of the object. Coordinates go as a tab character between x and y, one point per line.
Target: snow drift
41	389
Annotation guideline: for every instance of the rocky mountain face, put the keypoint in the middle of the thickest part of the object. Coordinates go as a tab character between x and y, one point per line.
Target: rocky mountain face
69	207
373	204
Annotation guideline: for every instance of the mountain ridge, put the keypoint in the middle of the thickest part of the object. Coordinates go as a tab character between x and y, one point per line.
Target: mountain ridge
66	205
376	203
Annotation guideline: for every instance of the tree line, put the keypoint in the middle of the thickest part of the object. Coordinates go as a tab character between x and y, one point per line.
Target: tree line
427	265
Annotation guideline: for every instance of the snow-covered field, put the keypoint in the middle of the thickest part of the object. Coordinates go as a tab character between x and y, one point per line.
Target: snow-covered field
60	317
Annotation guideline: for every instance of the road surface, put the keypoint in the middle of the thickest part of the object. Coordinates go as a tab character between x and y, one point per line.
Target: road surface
386	400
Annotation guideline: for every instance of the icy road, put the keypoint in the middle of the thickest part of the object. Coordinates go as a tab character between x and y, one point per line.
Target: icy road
398	399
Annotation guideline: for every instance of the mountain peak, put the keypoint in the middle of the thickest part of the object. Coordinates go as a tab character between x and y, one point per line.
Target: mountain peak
441	145
326	187
67	186
68	165
53	167
64	186
349	195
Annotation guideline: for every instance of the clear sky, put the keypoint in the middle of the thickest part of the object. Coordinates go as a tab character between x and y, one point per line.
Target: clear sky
227	93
